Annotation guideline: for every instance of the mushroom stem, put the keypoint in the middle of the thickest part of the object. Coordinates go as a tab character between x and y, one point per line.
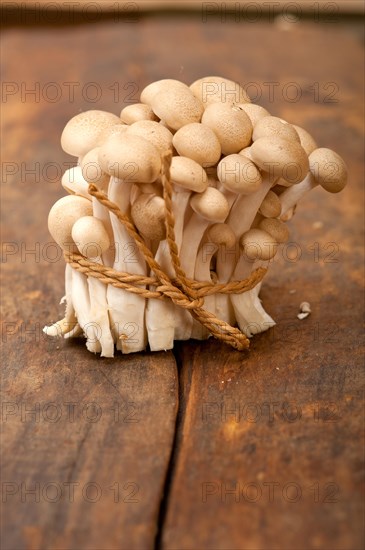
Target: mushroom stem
126	309
292	195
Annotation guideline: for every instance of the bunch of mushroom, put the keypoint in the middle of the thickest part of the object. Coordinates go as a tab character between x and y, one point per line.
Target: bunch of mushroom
238	174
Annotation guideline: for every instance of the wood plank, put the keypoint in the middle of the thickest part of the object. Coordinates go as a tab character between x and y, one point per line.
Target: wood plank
101	429
268	449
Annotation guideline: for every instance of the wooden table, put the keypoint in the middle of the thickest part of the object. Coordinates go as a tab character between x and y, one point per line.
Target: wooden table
203	447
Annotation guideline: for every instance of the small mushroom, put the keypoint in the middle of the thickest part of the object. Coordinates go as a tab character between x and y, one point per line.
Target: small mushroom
188	174
215	89
254	112
258	245
116	129
137	111
272	126
270	206
90	236
211	205
130	158
177	107
231	125
81	133
280	158
238	174
74	182
91	169
198	142
276	228
152	89
62	216
148	215
328	169
306	140
153	132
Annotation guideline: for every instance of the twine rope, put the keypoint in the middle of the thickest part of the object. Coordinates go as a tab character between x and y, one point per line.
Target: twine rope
183	291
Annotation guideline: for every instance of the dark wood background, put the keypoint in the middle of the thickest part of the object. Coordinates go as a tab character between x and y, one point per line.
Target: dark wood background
203	447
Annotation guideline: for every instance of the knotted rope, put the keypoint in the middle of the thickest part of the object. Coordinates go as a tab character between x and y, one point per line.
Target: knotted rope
184	292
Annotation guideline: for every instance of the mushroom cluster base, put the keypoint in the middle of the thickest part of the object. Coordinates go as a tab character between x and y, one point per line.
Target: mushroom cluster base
175	211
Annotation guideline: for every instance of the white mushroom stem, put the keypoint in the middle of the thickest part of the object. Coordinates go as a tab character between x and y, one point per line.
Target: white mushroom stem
92	240
219	236
292	195
126	309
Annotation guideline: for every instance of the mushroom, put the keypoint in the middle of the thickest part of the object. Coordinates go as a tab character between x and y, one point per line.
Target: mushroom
137	111
177	107
271	126
255	244
81	133
126	309
270	206
74	182
130	158
215	89
92	240
152	89
276	228
231	125
153	132
238	174
280	158
306	140
254	112
198	142
165	321
62	216
218	238
327	169
148	215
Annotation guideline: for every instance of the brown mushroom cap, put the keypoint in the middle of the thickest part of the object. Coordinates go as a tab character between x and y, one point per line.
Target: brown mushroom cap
137	111
148	215
254	112
62	216
91	169
152	89
154	132
306	140
276	228
328	169
211	205
198	142
221	234
177	107
188	174
273	126
90	236
81	133
232	126
239	174
215	89
280	158
270	206
116	129
258	245
130	158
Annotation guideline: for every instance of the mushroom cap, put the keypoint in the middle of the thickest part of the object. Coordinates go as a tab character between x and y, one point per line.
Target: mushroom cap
306	140
198	142
151	90
328	169
271	205
239	174
221	234
281	158
119	129
90	236
154	132
130	158
276	228
137	111
216	89
74	182
148	215
188	174
232	126
246	152
91	169
81	133
211	205
257	244
273	126
254	112
62	216
177	107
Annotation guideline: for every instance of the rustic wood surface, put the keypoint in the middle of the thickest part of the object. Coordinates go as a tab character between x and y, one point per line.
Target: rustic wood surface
279	426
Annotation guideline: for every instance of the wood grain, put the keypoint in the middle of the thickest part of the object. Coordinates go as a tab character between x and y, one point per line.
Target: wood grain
310	367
